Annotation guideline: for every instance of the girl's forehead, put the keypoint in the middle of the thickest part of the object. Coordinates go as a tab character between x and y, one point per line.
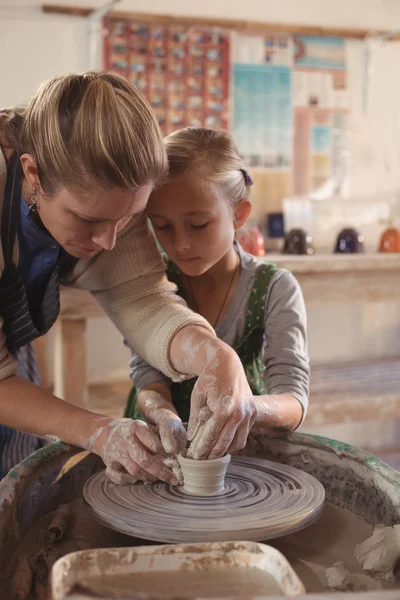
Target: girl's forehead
186	194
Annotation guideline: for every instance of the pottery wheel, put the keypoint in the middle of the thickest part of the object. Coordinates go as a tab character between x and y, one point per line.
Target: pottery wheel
261	500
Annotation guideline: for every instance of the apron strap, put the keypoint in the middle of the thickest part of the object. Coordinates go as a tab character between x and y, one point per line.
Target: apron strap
11	207
251	347
256	304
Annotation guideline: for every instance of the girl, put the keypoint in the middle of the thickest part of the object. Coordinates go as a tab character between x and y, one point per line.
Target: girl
255	307
77	166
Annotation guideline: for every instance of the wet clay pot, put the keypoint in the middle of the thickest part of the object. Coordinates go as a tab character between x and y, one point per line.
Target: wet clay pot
204	477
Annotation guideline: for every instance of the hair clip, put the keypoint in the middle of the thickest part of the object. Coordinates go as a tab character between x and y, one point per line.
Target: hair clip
247	179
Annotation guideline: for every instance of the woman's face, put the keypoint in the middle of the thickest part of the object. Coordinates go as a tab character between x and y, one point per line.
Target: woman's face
194	222
86	223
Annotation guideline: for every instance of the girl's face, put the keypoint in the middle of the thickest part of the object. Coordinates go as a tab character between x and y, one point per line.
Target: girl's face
194	222
86	223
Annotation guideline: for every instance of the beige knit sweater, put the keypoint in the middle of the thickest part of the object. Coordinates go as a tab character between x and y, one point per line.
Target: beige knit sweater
129	283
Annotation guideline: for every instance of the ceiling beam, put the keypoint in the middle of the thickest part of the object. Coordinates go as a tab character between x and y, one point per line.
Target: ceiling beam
231	24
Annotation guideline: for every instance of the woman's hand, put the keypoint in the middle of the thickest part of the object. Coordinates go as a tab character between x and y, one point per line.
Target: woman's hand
222	409
131	452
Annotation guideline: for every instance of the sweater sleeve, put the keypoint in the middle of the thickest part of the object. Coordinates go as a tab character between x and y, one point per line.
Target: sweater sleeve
130	284
142	374
286	361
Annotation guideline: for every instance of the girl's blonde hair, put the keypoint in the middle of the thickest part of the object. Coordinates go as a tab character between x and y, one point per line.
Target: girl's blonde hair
86	131
211	154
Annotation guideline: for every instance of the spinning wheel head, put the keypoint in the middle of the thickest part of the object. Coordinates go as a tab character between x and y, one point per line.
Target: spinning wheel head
261	500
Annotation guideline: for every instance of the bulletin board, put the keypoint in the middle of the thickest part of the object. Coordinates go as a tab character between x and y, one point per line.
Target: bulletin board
283	96
184	72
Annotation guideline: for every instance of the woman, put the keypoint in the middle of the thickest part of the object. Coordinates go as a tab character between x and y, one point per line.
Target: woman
76	170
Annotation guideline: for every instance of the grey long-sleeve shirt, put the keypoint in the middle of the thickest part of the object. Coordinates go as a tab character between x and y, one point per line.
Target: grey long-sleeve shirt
286	363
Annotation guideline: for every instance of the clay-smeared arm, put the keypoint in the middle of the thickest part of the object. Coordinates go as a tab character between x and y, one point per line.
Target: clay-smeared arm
286	362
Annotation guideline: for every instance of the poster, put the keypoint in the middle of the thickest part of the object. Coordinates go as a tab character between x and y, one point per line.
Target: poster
183	72
320	104
262	118
283	97
323	53
262	100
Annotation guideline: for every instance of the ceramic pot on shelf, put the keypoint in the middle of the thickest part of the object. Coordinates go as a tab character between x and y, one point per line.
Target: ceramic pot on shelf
297	241
252	241
390	240
349	241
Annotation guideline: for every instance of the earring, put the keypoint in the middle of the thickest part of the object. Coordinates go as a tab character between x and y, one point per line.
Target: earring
33	208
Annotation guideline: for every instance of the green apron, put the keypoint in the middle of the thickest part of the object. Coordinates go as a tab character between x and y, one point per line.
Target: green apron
250	348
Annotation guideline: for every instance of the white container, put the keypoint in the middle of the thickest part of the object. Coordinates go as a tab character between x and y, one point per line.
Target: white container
204	477
218	569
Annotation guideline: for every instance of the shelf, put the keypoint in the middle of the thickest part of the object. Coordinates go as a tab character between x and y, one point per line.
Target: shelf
344	278
336	263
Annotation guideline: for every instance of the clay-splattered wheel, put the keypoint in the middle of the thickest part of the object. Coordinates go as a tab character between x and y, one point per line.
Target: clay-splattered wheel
261	500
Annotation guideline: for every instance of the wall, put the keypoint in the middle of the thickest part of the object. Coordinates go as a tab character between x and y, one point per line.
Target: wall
368	14
44	45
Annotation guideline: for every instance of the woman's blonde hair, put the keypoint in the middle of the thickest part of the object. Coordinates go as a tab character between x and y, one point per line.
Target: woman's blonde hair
86	131
212	155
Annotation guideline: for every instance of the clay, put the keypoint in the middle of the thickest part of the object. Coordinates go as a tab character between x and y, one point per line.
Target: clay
39	565
331	539
82	533
339	577
41	591
341	580
217	583
173	464
58	524
203	477
380	554
21	581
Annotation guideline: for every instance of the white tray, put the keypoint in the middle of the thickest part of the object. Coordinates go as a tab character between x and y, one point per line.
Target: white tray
185	561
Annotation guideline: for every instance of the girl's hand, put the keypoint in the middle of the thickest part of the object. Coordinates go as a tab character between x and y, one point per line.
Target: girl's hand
172	432
155	403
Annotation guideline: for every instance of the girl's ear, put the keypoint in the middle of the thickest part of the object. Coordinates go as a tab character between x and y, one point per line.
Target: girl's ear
241	213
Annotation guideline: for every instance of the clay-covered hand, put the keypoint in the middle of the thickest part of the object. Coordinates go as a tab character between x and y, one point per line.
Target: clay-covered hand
172	432
222	409
155	403
130	450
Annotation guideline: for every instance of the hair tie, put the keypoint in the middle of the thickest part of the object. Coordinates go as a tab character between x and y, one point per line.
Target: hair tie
247	179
